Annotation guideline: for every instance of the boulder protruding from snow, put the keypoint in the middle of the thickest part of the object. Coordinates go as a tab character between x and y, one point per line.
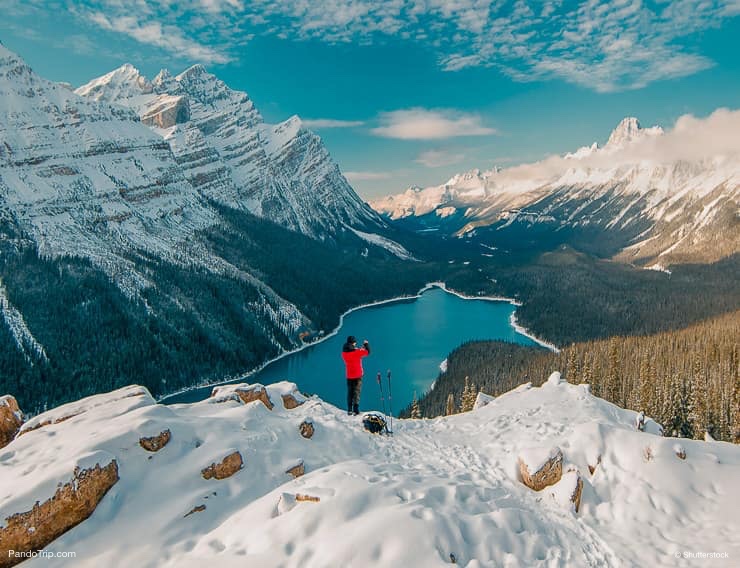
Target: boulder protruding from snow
196	509
569	489
306	429
592	468
540	467
156	443
297	470
135	396
680	451
245	393
225	468
72	503
11	419
291	401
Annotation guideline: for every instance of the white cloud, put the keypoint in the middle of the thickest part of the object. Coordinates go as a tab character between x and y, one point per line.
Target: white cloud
691	140
424	124
154	33
439	158
366	176
606	45
330	123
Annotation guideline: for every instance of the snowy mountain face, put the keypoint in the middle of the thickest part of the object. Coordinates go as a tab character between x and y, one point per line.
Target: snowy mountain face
643	192
129	209
87	178
282	172
305	486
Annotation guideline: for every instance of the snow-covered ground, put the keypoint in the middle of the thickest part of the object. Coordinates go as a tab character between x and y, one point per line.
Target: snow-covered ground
438	487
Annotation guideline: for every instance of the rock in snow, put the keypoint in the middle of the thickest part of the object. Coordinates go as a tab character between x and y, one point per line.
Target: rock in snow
442	486
11	419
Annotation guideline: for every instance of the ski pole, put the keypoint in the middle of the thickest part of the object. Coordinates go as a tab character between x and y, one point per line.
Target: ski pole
390	399
382	398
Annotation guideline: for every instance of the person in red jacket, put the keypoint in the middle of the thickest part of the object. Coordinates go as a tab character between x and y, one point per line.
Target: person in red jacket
353	363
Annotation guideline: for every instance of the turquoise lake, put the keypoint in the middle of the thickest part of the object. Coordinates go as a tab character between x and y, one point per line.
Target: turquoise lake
411	337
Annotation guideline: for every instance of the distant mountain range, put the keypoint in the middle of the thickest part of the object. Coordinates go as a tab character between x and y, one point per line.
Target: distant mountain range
647	196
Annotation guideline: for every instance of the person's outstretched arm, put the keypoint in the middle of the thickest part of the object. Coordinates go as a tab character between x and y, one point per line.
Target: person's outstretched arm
366	346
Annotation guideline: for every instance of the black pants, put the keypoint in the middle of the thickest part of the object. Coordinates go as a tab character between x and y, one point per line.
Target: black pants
354	386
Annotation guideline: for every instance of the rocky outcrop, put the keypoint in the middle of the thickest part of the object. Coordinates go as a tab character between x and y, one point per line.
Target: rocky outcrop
680	451
225	468
255	392
40	424
545	472
592	468
306	429
72	503
156	443
196	509
290	401
11	419
309	498
244	393
297	470
166	111
575	496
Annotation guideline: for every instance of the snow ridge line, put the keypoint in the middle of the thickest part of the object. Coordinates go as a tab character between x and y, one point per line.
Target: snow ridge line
23	337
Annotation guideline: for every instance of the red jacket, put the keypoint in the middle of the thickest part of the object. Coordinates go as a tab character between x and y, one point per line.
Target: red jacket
353	362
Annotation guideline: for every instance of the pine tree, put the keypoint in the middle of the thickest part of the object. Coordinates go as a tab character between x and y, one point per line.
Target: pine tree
450	406
467	401
415	411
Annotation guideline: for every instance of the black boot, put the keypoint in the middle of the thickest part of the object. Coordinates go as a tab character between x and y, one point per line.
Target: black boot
356	409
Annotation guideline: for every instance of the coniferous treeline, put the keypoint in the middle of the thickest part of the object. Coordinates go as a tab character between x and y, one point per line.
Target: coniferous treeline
688	380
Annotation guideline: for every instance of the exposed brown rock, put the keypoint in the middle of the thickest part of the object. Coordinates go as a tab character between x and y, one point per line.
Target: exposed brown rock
167	113
592	468
11	419
311	498
575	498
156	443
72	503
549	474
306	428
290	402
225	468
680	452
297	470
251	394
245	394
196	509
47	422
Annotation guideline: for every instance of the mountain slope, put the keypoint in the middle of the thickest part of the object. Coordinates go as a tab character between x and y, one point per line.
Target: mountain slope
282	172
442	487
125	258
647	196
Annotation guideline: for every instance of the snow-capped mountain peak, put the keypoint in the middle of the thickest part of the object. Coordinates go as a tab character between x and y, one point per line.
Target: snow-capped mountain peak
630	130
122	83
663	194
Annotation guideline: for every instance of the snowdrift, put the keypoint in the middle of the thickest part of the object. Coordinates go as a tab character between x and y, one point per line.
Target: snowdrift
442	488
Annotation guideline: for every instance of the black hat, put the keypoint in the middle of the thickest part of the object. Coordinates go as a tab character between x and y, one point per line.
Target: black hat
351	339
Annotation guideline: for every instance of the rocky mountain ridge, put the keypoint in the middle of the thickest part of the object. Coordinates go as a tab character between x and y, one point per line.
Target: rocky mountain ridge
639	193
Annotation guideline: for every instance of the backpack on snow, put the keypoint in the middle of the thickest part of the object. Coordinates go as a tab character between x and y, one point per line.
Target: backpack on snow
374	423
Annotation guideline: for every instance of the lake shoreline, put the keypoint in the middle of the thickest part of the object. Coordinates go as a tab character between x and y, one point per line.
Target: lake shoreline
441	285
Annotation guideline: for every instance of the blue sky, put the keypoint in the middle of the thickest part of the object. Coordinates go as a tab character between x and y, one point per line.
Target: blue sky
411	92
